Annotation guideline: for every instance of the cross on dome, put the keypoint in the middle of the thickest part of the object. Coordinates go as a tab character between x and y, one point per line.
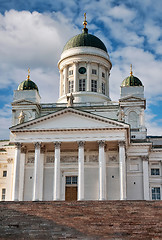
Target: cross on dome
85	21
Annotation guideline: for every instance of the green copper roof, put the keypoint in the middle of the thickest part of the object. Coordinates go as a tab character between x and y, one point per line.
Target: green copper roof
27	85
131	81
85	40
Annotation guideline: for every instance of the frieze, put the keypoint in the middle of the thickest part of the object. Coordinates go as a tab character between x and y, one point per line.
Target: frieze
69	159
50	159
10	160
93	158
30	160
113	158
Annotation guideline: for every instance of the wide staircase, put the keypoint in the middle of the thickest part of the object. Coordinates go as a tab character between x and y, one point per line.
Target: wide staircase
116	220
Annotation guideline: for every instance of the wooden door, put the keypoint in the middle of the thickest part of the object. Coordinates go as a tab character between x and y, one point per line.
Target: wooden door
71	193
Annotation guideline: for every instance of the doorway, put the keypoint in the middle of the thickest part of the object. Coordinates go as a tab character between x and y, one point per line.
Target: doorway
71	188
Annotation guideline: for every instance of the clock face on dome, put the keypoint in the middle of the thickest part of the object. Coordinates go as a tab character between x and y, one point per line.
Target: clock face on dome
82	70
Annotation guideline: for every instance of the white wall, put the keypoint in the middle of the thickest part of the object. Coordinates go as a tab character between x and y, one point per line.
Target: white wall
48	184
91	183
28	184
112	183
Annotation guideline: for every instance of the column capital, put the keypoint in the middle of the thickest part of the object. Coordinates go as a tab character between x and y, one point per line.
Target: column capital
23	149
57	144
145	158
37	145
81	143
17	145
101	143
43	148
121	143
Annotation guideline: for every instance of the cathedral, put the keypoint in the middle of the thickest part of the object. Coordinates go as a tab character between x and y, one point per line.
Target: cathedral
85	146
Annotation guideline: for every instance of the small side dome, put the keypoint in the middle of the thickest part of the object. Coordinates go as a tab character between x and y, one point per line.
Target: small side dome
27	84
131	81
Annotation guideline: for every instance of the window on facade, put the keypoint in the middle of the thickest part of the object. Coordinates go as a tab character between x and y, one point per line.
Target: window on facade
155	171
71	180
4	173
94	85
70	72
103	74
71	86
155	193
3	194
81	84
94	71
103	88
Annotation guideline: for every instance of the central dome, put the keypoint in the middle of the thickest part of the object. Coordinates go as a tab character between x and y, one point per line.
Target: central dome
85	40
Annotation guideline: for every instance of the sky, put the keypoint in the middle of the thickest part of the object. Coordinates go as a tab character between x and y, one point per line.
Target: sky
33	34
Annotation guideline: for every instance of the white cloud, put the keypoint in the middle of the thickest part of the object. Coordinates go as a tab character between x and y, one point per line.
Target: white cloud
145	66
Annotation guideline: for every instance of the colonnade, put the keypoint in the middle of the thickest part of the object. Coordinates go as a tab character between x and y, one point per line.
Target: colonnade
64	80
38	172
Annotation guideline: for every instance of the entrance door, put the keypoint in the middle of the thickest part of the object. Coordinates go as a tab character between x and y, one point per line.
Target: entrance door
71	188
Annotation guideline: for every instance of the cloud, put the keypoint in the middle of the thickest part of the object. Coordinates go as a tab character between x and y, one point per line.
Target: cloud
145	66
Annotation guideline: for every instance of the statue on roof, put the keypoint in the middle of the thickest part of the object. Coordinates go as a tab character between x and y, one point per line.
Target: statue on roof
70	100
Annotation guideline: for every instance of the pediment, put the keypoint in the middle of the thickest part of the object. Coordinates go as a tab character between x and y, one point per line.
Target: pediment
131	98
69	119
22	102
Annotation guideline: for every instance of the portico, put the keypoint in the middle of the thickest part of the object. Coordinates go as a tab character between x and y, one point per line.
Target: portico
83	148
82	158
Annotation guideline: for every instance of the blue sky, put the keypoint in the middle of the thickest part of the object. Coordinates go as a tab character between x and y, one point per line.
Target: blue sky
33	34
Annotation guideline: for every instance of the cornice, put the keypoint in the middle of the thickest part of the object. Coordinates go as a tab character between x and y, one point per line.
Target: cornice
66	130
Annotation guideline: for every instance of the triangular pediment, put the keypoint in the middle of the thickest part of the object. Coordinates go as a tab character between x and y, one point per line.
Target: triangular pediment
131	99
69	119
23	102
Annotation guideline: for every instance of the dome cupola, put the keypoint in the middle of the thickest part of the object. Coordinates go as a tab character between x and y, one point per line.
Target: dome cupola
132	86
131	81
27	84
84	69
85	40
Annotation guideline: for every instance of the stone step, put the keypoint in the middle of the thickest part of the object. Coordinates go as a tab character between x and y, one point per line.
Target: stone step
81	220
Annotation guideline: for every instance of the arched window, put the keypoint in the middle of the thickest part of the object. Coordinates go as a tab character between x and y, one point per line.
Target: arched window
133	119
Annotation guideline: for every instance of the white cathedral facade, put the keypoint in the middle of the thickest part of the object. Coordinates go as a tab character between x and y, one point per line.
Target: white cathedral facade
85	146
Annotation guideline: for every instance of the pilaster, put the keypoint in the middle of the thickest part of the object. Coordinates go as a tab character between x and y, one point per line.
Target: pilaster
145	177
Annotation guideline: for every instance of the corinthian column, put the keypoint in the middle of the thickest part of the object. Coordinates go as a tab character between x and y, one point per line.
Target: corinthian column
122	170
16	177
102	171
81	171
36	172
56	195
75	76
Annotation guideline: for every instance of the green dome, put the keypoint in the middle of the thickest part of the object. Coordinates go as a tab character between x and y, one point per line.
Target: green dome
131	81
85	40
27	85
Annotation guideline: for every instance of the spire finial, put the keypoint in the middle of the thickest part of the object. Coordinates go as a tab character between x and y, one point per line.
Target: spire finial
28	77
131	73
85	21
